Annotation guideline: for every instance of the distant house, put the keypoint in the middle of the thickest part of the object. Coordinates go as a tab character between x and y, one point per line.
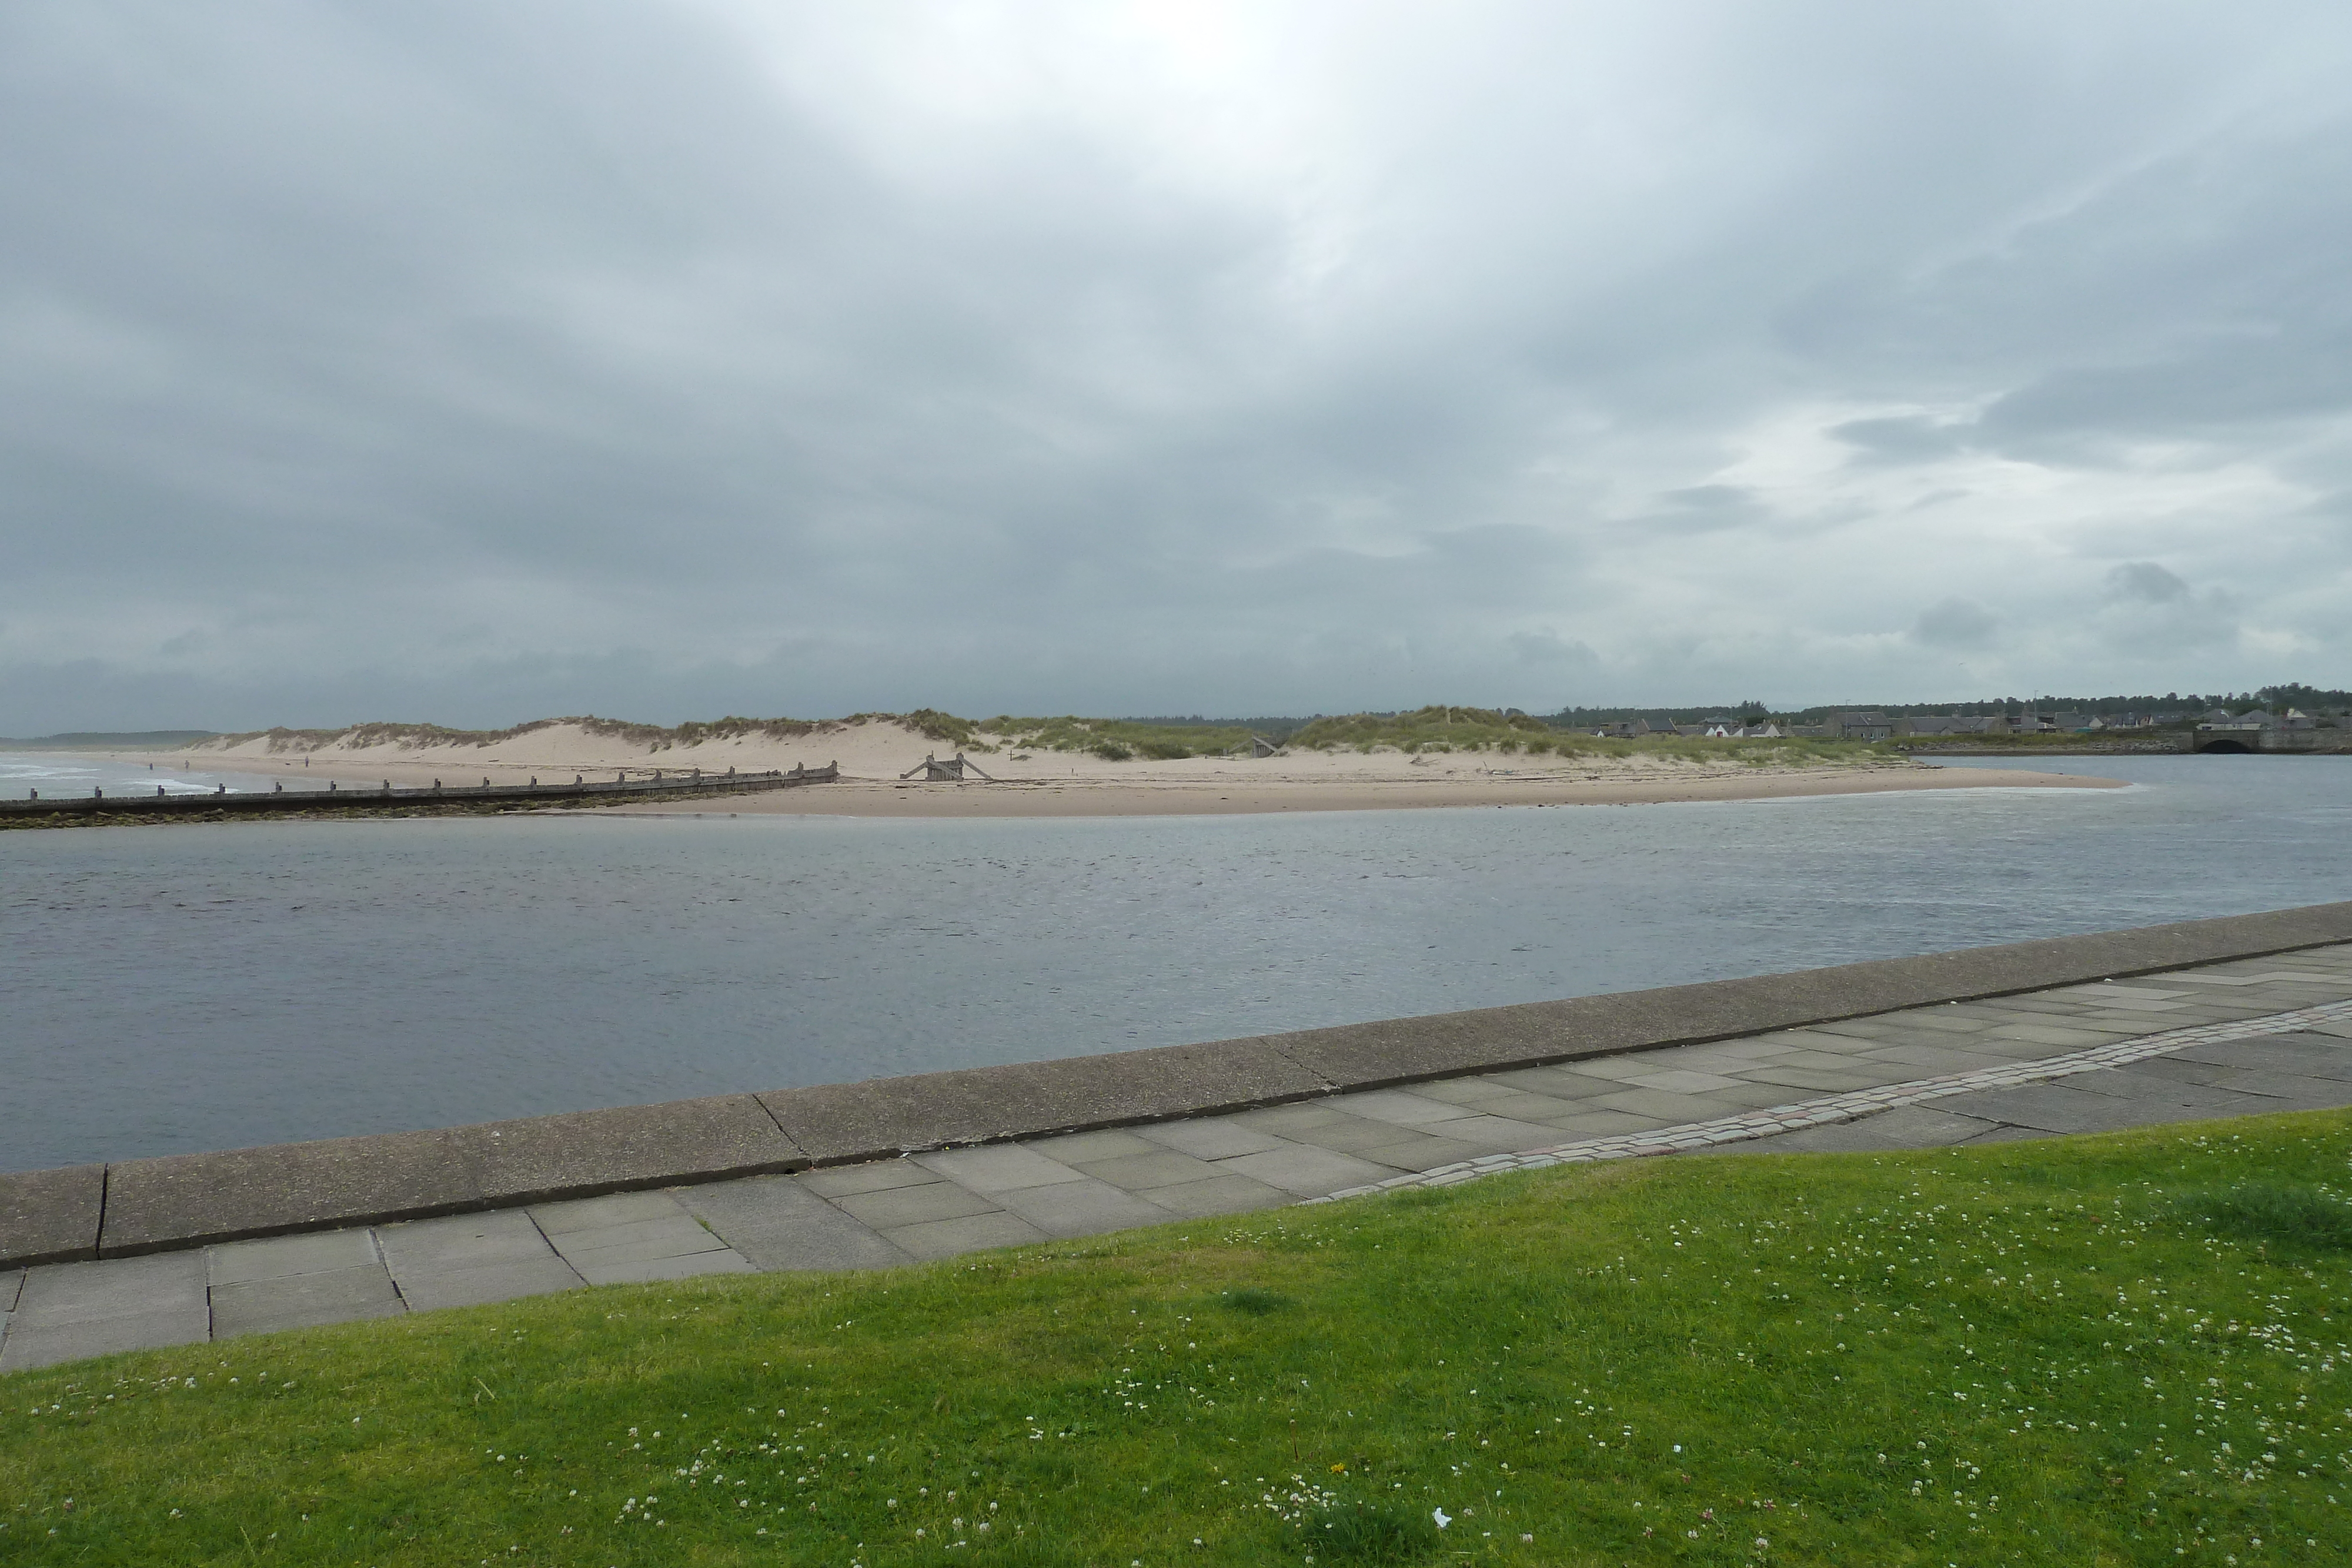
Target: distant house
1870	725
1954	724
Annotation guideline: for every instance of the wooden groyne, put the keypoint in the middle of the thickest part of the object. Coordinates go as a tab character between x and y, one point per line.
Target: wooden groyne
339	797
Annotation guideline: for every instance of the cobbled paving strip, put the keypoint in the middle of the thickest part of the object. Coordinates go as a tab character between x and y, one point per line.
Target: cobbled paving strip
1853	1106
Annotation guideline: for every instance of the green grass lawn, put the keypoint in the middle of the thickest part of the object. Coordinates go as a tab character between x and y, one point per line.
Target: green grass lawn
2115	1350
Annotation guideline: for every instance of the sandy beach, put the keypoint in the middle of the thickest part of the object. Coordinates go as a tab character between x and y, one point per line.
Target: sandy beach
872	754
1531	787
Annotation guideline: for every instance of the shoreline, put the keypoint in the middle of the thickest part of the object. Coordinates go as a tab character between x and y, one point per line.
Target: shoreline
1094	798
1200	787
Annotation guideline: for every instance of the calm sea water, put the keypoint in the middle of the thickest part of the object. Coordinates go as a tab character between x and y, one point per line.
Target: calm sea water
204	987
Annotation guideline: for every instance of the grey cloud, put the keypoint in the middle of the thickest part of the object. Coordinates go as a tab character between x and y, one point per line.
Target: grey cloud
1547	648
1901	439
2307	375
2145	582
1954	624
2194	297
472	364
2152	609
1706	510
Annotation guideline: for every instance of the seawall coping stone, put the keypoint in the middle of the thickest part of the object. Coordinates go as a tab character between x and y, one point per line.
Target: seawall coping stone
183	1200
51	1216
843	1124
187	1201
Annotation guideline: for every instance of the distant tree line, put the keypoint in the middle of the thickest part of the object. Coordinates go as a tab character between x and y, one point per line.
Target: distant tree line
2277	698
2310	700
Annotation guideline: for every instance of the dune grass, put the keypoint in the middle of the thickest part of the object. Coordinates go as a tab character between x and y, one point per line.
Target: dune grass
2074	1351
1118	739
1441	729
1428	728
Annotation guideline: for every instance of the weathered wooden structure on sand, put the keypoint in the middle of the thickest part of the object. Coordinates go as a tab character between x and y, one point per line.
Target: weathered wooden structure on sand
951	771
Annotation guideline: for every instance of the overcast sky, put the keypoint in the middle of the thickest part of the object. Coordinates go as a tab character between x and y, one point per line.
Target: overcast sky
479	362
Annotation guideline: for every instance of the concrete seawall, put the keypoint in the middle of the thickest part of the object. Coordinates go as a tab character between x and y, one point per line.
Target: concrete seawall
139	1206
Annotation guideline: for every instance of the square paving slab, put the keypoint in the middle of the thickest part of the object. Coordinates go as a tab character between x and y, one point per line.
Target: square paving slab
114	1287
673	1266
1159	1167
999	1167
846	1181
1078	1150
68	1310
1421	1150
488	1282
304	1300
1081	1207
599	1252
1345	1134
776	1222
1229	1194
894	1206
469	1259
283	1257
603	1214
1305	1172
968	1233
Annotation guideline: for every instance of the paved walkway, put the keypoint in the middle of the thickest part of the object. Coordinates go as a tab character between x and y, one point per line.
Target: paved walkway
2225	1040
